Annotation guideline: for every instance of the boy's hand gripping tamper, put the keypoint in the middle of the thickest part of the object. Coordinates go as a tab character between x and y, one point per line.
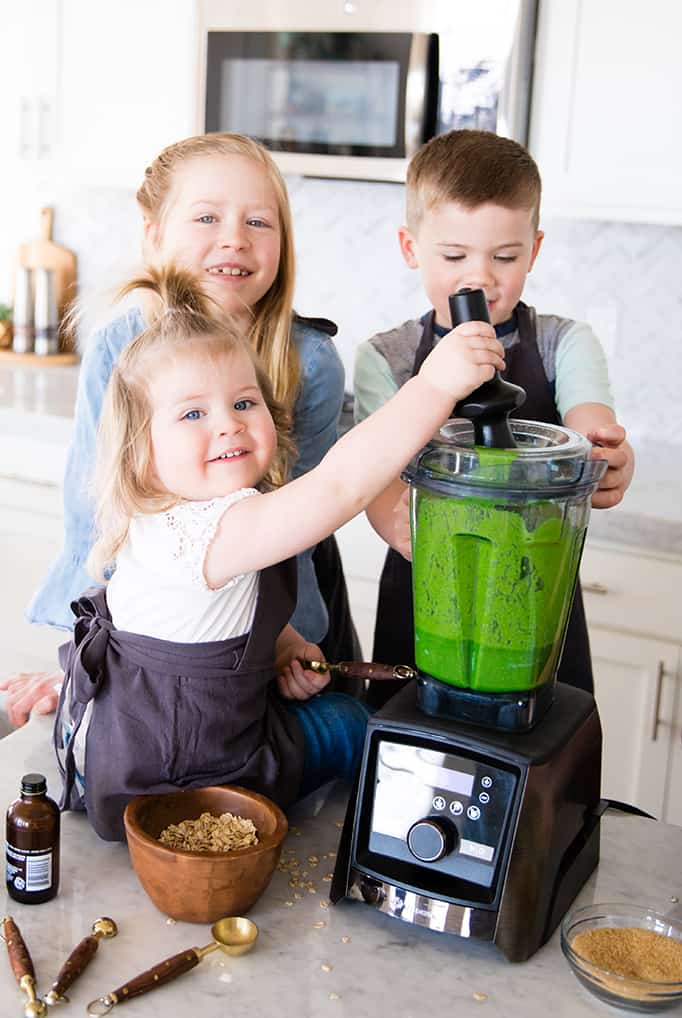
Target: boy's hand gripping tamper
489	406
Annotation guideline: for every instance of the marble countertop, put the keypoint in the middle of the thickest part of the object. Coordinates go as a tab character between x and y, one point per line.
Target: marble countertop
36	423
357	964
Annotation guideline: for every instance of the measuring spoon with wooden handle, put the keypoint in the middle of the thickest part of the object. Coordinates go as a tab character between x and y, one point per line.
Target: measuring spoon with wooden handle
80	958
22	966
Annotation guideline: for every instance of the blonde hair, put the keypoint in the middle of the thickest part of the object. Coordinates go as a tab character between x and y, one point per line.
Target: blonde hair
188	322
472	168
270	330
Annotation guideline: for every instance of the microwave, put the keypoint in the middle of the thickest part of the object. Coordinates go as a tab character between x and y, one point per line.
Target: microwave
358	97
333	93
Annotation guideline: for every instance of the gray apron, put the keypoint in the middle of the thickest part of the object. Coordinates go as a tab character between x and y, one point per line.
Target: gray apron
175	715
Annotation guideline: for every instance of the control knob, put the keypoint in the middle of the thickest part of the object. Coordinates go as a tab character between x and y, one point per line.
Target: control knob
431	838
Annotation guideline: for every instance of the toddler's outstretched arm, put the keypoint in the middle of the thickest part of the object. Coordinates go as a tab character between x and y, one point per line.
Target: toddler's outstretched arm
259	531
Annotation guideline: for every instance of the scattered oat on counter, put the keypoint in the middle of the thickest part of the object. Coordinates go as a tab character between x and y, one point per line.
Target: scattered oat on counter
170	922
324	904
288	904
319	925
334	996
345	940
326	968
480	996
327	878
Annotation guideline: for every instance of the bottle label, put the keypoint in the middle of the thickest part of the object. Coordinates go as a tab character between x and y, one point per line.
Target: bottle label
29	870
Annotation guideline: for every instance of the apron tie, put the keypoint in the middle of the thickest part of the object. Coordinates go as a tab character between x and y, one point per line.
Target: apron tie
91	633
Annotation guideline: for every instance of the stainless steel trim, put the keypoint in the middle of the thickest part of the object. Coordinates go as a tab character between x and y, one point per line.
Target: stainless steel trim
660	675
421	910
513	114
415	93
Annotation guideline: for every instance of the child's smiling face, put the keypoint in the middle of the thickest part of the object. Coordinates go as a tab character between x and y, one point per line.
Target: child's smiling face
221	220
489	247
211	430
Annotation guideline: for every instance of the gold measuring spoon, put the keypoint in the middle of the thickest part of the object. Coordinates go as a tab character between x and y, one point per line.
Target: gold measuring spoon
80	958
233	935
362	669
22	966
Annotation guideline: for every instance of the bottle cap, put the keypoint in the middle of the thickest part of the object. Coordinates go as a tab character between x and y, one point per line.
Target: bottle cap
33	784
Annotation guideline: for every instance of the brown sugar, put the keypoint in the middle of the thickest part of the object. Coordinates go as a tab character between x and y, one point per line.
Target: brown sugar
632	952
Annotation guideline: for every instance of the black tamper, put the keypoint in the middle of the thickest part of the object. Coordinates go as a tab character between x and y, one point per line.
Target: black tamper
489	406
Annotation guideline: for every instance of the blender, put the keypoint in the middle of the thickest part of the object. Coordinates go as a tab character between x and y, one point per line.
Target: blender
477	805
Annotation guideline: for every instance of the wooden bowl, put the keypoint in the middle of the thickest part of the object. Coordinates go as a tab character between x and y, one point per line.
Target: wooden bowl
200	887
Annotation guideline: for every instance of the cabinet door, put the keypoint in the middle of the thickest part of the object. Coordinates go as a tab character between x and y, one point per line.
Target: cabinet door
636	690
30	537
604	109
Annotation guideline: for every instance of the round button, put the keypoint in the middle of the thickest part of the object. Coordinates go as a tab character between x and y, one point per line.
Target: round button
486	781
438	802
456	807
473	813
430	839
483	797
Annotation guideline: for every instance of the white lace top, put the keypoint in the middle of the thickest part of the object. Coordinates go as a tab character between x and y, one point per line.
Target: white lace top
159	589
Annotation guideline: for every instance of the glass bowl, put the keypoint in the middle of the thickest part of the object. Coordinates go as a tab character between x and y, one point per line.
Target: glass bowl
626	992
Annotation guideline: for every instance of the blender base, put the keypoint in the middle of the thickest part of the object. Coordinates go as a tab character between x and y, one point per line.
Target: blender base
506	712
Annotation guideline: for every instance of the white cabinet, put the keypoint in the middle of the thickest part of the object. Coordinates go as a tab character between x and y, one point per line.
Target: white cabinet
635	624
604	112
91	91
30	537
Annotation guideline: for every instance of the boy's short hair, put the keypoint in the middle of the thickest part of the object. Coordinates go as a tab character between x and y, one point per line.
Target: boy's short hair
472	168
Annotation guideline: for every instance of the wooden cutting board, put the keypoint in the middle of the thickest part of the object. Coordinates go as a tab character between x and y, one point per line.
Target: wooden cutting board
44	253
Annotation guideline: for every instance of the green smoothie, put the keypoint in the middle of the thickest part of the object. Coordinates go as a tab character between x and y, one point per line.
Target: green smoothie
492	584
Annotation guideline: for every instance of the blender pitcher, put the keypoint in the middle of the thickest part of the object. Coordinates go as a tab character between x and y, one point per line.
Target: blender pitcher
497	536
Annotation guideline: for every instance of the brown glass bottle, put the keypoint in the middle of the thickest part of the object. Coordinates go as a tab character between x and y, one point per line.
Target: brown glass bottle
32	849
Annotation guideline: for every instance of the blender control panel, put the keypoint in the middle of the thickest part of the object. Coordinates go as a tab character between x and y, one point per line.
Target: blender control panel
444	810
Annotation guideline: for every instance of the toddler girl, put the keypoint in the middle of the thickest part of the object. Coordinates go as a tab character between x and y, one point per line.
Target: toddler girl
169	678
216	204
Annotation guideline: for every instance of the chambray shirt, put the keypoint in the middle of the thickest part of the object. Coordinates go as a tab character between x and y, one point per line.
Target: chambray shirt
316	416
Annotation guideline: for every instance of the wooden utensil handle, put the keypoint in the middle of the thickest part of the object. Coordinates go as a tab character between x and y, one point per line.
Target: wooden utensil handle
157	976
19	958
78	960
46	220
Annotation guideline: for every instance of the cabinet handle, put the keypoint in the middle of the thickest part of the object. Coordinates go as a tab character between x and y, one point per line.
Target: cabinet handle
661	674
595	588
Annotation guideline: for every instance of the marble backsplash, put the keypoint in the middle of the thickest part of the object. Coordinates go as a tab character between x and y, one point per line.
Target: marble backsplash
622	278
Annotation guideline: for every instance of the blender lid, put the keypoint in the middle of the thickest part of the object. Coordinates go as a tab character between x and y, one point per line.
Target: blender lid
548	460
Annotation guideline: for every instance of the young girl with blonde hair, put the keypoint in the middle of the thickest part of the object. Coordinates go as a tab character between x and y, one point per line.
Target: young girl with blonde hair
217	205
170	675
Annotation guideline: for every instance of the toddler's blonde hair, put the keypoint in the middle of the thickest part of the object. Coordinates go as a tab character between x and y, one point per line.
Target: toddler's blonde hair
472	168
270	331
187	322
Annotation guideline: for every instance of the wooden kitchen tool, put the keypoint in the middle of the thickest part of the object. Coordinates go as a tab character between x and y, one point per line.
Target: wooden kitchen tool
44	253
233	935
80	958
22	966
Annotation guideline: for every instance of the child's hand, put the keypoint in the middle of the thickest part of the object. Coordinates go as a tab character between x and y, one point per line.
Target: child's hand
464	359
30	691
609	445
293	680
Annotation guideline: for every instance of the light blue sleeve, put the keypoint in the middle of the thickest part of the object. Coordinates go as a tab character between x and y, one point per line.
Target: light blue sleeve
67	577
373	381
316	420
582	374
320	399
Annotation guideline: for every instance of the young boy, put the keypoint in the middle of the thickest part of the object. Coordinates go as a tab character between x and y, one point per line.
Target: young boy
473	207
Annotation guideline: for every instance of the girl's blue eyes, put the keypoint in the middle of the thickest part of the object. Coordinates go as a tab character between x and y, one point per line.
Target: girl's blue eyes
196	415
209	219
